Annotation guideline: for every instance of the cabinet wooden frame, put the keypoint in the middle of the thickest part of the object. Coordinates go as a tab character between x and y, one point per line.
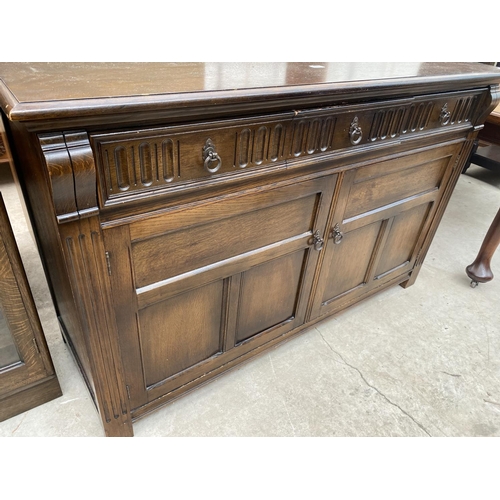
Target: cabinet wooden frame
128	299
31	380
364	166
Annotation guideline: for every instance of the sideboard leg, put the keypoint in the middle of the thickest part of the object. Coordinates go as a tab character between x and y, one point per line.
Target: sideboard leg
462	159
118	428
87	267
480	271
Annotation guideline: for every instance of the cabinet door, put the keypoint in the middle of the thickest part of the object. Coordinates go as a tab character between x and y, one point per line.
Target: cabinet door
201	285
381	217
27	378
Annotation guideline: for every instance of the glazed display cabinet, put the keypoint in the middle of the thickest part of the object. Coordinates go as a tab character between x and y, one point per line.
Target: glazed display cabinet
27	375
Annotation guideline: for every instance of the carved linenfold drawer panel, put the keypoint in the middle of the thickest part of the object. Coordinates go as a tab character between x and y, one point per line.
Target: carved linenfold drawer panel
183	156
163	157
364	125
312	136
396	121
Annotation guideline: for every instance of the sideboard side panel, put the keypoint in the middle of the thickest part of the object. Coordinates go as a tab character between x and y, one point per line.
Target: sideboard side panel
448	190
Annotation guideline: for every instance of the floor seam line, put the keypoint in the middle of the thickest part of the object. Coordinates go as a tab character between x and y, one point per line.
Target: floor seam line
373	387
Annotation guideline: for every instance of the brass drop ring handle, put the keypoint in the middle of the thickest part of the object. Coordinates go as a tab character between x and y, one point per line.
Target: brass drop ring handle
317	241
210	156
209	160
445	115
337	235
355	132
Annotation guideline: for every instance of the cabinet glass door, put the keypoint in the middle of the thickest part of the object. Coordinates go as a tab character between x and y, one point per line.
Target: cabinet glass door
8	350
20	358
27	376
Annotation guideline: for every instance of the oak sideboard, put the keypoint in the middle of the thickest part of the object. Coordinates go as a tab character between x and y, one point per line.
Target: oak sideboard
191	216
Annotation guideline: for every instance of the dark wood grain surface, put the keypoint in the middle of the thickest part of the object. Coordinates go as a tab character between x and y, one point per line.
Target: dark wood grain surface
27	377
32	91
32	82
166	271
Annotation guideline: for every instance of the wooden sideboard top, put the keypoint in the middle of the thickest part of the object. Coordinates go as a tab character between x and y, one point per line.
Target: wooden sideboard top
49	91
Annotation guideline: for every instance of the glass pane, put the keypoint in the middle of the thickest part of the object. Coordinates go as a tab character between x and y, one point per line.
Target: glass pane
8	351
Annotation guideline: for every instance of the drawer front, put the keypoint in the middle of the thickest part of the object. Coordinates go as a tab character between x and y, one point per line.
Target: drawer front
168	157
365	125
191	156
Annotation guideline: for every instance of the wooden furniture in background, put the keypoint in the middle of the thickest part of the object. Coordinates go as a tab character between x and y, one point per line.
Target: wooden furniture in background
193	216
486	149
27	376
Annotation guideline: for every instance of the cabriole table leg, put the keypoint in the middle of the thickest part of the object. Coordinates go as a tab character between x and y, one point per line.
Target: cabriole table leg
480	271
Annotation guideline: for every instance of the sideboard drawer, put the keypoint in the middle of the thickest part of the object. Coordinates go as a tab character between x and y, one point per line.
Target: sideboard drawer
166	157
187	157
370	126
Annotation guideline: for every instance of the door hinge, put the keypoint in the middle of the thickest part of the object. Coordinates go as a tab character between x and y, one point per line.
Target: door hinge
108	262
35	343
128	391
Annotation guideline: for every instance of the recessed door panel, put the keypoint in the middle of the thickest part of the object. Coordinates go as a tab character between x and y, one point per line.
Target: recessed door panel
380	191
402	239
350	260
179	332
269	294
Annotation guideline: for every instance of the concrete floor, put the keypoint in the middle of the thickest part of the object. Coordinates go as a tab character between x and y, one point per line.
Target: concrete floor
418	362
